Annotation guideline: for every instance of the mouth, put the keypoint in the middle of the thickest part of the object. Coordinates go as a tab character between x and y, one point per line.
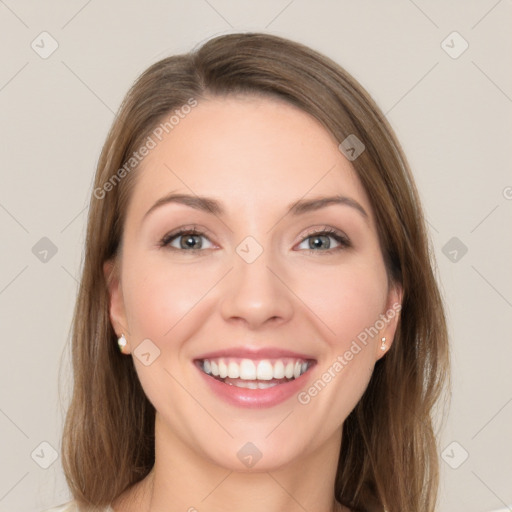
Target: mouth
254	374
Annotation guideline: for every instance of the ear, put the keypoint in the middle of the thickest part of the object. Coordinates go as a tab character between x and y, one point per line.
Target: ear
390	317
116	302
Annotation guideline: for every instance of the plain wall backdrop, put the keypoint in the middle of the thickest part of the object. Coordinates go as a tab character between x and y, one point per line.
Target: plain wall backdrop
439	70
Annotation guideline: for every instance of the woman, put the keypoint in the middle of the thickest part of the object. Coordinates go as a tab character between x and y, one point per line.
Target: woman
258	325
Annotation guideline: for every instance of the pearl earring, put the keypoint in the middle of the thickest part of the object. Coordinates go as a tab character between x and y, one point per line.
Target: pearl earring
121	341
383	346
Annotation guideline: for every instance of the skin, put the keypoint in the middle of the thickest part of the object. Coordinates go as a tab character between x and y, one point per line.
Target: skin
255	156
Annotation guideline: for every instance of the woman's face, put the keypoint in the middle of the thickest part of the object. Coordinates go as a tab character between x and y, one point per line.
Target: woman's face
285	292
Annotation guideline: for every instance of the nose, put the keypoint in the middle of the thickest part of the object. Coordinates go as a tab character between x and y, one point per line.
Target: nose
255	293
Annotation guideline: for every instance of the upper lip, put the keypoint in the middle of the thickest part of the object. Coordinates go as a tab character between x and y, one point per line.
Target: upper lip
254	353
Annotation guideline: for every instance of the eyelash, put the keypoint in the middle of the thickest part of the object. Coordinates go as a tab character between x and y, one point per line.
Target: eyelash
341	238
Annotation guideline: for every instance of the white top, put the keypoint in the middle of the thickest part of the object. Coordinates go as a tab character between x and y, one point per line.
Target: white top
71	506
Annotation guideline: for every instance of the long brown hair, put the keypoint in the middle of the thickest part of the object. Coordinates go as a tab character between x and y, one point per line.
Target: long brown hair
389	455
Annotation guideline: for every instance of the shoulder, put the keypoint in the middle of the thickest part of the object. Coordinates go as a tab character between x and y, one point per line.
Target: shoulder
71	506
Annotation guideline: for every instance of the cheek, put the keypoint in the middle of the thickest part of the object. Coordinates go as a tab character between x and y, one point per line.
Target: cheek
347	299
165	300
157	296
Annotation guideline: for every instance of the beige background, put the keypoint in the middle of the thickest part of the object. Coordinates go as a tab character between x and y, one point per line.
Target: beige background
452	115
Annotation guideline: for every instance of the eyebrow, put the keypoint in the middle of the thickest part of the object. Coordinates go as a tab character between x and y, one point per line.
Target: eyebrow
300	207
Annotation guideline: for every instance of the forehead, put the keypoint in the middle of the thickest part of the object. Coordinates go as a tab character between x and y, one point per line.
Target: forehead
246	150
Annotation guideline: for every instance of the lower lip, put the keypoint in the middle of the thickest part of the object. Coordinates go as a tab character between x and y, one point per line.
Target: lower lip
256	398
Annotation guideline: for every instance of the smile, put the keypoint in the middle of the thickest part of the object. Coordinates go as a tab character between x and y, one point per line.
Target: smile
254	374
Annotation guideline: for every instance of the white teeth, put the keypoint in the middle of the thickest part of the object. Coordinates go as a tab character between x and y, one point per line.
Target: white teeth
279	370
233	371
223	369
265	385
264	371
288	372
250	384
249	370
247	384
